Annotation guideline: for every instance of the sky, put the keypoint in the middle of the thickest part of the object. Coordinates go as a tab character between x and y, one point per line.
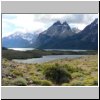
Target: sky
36	23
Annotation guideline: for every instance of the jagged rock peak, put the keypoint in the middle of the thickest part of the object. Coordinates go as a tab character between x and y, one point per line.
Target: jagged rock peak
95	21
64	23
57	23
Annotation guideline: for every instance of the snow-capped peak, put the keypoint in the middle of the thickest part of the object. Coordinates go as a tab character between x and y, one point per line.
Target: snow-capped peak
26	36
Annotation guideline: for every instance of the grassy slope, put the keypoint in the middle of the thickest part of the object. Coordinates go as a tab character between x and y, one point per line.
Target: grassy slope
84	72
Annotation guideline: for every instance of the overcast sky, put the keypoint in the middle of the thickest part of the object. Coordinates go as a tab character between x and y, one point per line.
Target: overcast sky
37	23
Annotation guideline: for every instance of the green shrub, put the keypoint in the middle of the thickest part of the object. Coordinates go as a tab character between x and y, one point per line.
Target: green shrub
57	74
77	74
17	72
37	82
31	72
90	81
46	83
95	81
76	83
65	84
42	82
70	68
5	81
19	82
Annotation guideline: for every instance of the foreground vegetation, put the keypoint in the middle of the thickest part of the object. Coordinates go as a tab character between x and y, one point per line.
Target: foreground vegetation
66	72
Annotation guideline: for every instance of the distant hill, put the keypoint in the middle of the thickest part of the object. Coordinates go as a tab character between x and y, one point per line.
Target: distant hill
3	48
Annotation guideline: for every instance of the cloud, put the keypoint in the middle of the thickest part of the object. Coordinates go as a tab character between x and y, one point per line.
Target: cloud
40	22
8	16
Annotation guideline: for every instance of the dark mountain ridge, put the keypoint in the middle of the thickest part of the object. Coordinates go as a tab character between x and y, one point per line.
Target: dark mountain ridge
60	36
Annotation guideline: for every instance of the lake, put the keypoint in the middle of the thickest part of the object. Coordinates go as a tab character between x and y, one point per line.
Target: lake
22	49
26	49
46	58
64	50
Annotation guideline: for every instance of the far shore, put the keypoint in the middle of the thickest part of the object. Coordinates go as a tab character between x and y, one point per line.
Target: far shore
38	53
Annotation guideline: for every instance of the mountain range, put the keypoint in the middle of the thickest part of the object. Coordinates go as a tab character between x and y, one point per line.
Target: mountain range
57	36
61	36
19	40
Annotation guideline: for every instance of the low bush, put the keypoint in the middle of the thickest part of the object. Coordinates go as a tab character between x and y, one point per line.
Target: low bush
77	74
42	82
65	84
46	83
17	73
90	81
76	83
19	82
70	68
5	81
36	81
57	74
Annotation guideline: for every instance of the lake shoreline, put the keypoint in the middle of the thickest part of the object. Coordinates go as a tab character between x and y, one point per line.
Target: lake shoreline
36	53
30	49
47	58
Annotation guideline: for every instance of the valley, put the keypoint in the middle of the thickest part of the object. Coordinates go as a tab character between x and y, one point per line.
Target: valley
50	50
